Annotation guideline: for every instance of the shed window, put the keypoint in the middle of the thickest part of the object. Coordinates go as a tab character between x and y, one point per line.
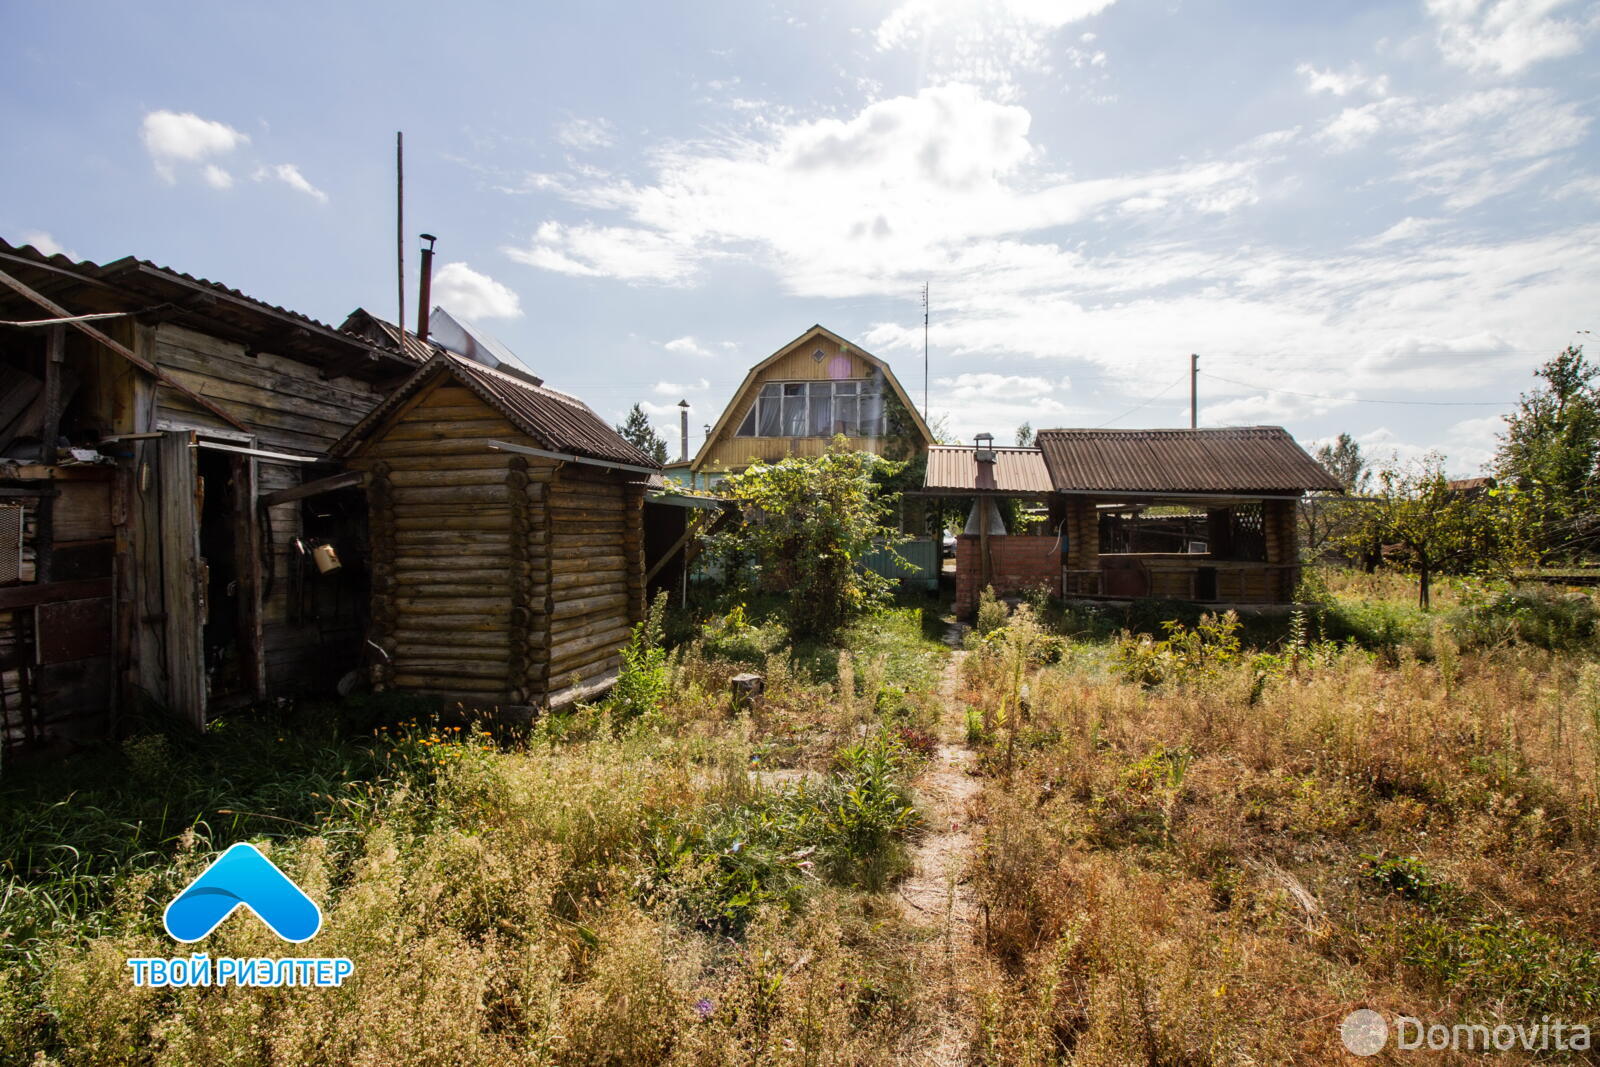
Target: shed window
816	409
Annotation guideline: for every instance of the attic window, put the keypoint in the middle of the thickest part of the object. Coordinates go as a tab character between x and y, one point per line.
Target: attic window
816	409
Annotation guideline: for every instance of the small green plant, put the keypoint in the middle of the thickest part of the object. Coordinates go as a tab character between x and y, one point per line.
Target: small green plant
642	683
992	613
1186	656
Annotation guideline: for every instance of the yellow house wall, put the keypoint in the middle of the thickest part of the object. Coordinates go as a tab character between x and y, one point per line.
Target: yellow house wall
729	452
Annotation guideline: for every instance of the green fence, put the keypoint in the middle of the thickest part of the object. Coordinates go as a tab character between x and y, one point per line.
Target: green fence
923	554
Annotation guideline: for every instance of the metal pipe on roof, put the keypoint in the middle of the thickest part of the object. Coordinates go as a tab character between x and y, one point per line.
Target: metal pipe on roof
425	297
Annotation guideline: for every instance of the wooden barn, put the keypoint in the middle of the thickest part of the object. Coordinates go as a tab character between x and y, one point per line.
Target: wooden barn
507	551
156	434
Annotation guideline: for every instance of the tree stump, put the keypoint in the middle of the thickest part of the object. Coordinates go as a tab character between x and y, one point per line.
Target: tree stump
744	688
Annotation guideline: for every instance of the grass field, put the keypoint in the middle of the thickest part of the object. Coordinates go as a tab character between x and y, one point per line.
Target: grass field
1201	845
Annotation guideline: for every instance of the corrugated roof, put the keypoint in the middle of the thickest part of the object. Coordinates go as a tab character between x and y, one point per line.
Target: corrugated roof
955	468
365	324
139	283
1235	459
559	422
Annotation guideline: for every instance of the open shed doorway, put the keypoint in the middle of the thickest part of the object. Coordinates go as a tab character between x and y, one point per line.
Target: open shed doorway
230	634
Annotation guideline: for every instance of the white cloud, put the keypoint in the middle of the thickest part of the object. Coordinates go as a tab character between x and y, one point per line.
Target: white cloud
622	252
1466	148
216	177
459	288
686	346
1407	229
290	175
1119	274
989	44
586	134
1342	83
47	244
1506	36
995	386
836	206
172	137
679	388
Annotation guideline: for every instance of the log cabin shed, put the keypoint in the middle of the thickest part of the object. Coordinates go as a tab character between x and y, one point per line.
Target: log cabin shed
507	549
157	432
1235	488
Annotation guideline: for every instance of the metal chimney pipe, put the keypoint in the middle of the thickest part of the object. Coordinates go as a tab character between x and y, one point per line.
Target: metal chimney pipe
425	302
683	431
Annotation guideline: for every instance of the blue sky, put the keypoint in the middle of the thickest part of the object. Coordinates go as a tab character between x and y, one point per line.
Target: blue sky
1334	204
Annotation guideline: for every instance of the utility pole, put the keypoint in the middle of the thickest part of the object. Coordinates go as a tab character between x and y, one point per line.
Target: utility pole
400	231
924	350
1194	391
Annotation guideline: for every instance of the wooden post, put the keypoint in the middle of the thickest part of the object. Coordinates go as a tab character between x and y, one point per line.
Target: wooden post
182	575
44	529
247	566
380	535
54	357
633	549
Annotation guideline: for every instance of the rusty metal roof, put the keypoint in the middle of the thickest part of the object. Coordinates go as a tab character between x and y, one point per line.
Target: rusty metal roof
1234	459
138	284
955	468
559	422
365	324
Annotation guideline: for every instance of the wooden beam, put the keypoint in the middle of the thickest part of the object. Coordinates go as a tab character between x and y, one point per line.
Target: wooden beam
343	480
28	596
55	354
120	349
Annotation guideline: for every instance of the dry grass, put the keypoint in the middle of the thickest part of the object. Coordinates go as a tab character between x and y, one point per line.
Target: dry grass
1218	867
1190	853
619	888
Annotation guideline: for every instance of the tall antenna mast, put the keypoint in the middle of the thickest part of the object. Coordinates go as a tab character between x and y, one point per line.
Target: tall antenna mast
400	230
924	350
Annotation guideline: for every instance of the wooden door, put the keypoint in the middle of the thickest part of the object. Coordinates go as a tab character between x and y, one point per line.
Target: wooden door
183	577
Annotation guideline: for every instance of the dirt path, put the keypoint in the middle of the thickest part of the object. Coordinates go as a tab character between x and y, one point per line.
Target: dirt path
937	894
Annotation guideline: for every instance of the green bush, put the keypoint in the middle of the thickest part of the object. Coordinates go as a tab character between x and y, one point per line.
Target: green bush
1542	617
992	613
717	868
1186	655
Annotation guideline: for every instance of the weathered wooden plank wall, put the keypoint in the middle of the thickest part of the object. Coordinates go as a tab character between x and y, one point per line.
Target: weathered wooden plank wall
292	409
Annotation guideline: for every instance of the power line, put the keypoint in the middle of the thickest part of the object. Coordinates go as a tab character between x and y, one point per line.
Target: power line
1144	403
1366	400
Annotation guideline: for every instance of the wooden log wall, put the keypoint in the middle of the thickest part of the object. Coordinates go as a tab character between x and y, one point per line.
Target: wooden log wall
596	573
528	662
1083	547
1280	524
454	604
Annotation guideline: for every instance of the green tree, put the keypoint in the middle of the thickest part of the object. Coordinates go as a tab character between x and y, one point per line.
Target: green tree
1550	452
1439	530
637	431
807	524
1326	517
1344	460
1025	435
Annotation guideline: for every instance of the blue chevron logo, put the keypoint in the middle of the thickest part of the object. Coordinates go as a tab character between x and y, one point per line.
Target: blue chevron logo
242	877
